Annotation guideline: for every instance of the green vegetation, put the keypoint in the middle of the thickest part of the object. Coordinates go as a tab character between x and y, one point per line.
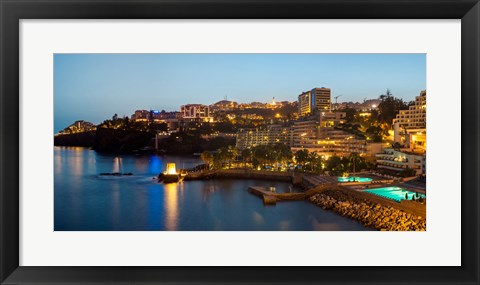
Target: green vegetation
375	124
389	107
126	124
276	156
187	143
347	164
280	157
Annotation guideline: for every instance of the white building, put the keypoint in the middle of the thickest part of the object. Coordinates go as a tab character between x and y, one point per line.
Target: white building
271	135
400	161
409	126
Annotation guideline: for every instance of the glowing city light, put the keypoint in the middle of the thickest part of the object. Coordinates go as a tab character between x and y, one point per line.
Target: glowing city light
171	169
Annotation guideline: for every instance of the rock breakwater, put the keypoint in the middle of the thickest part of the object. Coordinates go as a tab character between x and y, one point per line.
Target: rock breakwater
368	213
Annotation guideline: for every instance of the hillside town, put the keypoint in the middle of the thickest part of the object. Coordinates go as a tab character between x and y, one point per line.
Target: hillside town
386	133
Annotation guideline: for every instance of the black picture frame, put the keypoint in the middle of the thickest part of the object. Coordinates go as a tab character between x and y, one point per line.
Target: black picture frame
12	11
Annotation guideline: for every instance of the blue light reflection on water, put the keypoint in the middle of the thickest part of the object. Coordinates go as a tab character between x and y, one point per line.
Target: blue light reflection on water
83	200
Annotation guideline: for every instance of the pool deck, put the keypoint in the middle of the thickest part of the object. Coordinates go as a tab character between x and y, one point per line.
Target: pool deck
412	188
410	207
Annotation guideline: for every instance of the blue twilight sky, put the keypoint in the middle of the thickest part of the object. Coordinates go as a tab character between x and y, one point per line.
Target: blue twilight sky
93	87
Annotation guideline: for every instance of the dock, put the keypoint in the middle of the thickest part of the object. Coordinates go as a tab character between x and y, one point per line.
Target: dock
271	198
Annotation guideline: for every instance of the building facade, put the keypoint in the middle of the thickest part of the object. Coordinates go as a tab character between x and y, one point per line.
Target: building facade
399	161
409	126
315	99
196	112
271	135
304	133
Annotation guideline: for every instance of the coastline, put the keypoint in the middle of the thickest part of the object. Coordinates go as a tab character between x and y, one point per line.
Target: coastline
369	210
281	176
374	212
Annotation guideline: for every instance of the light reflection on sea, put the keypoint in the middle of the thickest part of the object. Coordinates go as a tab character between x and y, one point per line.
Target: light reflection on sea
85	201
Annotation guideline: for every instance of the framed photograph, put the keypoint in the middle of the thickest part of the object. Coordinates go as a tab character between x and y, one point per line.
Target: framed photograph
238	142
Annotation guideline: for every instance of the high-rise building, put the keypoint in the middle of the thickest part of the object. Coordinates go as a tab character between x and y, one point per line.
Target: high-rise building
315	99
304	107
321	99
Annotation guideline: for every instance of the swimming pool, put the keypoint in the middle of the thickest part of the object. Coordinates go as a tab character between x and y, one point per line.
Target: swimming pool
395	193
357	179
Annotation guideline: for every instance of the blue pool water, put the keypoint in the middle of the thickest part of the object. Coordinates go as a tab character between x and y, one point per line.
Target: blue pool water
351	179
395	193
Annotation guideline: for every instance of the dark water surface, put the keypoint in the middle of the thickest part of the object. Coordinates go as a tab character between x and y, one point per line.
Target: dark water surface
85	201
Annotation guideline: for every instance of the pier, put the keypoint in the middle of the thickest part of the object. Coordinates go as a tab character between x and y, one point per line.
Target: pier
271	198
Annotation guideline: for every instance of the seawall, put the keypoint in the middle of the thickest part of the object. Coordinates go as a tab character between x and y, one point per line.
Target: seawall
371	211
243	174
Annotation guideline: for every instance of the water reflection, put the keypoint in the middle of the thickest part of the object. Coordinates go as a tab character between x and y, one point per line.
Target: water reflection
117	164
171	206
259	220
116	205
155	164
85	201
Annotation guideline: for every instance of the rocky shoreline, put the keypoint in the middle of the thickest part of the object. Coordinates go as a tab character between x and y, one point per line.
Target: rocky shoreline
368	213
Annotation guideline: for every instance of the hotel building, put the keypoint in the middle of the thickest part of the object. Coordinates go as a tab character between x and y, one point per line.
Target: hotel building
409	126
399	161
315	99
304	133
322	137
270	135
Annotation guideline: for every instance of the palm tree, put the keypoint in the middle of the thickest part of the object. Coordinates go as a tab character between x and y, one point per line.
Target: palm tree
232	154
246	156
353	157
301	156
260	154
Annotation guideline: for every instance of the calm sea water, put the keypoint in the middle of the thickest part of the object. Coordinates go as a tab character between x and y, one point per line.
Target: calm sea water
85	201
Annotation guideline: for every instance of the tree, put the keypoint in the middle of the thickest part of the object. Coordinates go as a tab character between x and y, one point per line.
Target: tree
375	133
232	154
283	154
259	154
315	162
351	115
389	107
396	145
336	163
301	157
246	156
354	157
207	157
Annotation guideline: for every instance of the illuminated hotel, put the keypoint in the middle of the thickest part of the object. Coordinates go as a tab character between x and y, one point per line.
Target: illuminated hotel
315	99
400	161
409	126
271	135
